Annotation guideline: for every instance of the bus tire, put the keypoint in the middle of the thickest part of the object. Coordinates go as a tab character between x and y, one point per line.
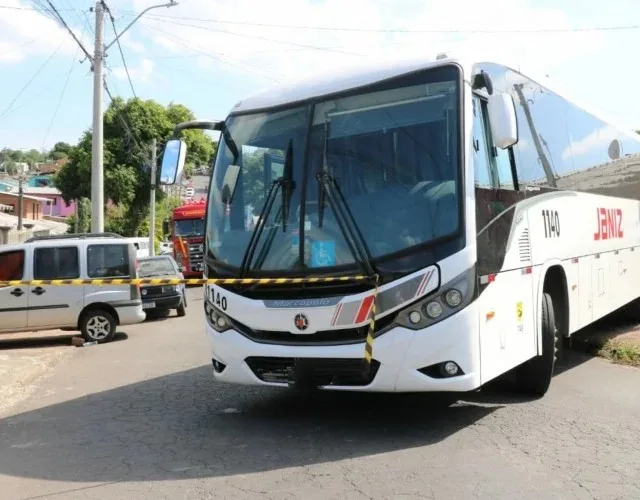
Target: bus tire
534	376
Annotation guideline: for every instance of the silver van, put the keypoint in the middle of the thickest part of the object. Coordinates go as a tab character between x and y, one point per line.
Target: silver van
94	310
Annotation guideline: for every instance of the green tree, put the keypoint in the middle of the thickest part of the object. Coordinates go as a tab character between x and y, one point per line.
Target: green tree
129	128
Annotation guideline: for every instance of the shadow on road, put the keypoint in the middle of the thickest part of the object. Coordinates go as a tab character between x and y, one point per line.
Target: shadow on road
185	425
38	342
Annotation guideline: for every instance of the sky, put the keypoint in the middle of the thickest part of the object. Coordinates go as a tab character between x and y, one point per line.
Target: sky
209	54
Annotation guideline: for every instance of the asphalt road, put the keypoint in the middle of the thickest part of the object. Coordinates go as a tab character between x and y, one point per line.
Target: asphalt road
142	418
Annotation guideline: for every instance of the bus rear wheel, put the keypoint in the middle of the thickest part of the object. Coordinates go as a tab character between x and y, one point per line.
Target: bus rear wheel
534	376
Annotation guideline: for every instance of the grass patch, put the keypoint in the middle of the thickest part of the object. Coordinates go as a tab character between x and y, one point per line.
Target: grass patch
621	351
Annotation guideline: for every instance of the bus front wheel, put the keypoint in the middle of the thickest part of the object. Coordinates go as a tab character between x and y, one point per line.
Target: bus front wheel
534	376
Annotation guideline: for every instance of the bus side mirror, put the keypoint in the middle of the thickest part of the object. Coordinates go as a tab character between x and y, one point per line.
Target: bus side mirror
173	158
504	123
165	226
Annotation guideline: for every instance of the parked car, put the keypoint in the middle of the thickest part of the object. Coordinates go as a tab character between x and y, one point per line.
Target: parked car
160	299
94	310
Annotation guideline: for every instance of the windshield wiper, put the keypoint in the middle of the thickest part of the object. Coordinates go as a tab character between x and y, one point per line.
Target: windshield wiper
255	235
345	220
327	184
286	185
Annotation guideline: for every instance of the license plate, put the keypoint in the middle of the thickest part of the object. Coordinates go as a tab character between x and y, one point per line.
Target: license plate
148	305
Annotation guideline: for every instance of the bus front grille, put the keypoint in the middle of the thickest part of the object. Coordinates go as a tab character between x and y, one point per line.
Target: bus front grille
313	371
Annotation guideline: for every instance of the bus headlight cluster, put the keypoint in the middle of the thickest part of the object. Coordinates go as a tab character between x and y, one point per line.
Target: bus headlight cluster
452	297
218	321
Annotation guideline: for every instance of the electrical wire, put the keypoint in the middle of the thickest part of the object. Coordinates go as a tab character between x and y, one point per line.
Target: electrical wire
119	114
64	89
255	37
399	30
124	62
64	23
26	85
187	44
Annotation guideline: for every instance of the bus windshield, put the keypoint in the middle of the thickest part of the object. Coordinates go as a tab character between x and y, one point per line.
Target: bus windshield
391	151
190	227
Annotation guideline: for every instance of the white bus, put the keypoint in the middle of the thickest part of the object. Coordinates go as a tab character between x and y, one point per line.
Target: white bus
498	215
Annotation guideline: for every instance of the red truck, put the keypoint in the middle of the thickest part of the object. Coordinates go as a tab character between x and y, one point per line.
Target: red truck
186	230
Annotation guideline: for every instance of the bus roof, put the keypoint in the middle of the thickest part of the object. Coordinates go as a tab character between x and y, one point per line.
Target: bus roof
357	76
332	82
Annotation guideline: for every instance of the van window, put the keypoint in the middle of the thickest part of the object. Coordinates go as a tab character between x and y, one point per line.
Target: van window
108	261
12	265
56	263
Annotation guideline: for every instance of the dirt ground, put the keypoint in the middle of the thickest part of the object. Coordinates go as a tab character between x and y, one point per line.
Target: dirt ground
25	359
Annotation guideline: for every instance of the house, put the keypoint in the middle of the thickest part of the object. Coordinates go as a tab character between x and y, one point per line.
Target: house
54	206
51	168
44	180
32	206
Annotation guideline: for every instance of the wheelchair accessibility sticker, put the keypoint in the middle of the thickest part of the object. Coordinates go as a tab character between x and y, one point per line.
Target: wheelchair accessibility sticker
323	253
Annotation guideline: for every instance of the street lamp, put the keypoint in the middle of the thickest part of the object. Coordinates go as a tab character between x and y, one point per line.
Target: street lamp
97	166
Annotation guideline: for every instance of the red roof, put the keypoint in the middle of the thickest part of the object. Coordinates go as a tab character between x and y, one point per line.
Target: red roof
52	168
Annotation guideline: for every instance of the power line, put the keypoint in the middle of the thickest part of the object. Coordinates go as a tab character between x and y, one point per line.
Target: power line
315	47
31	9
119	113
26	85
237	64
64	88
57	12
399	30
18	47
124	62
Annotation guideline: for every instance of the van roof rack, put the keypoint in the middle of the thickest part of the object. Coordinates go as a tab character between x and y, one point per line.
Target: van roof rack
81	236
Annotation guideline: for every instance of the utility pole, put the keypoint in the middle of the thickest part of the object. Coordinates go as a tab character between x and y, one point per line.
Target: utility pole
20	203
97	166
152	198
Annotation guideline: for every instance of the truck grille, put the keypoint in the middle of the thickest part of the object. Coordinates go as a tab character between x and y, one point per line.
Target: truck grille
313	371
196	257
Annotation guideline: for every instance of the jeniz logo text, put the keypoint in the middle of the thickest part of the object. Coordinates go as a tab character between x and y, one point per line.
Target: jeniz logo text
609	224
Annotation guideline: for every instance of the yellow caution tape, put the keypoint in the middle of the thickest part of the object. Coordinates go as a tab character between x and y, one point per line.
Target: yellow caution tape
177	281
368	346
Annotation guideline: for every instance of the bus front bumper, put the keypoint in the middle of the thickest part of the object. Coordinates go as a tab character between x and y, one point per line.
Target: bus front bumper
404	360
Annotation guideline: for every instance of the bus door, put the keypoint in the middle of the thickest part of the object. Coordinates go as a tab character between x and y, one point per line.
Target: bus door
506	325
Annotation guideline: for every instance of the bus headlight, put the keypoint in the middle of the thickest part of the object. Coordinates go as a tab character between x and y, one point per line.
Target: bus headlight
433	309
216	320
446	301
453	298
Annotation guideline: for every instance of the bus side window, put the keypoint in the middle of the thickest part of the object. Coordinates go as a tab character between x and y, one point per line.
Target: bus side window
481	164
499	158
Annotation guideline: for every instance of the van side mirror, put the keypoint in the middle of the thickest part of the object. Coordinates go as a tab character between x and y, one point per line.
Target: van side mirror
504	123
173	158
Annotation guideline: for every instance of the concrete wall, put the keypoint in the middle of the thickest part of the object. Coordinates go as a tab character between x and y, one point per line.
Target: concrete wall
13	236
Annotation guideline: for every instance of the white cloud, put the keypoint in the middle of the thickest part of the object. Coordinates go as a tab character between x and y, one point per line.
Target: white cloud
141	73
25	33
284	53
130	43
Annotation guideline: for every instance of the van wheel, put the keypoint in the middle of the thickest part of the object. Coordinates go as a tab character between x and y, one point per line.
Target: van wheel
97	325
182	307
534	376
